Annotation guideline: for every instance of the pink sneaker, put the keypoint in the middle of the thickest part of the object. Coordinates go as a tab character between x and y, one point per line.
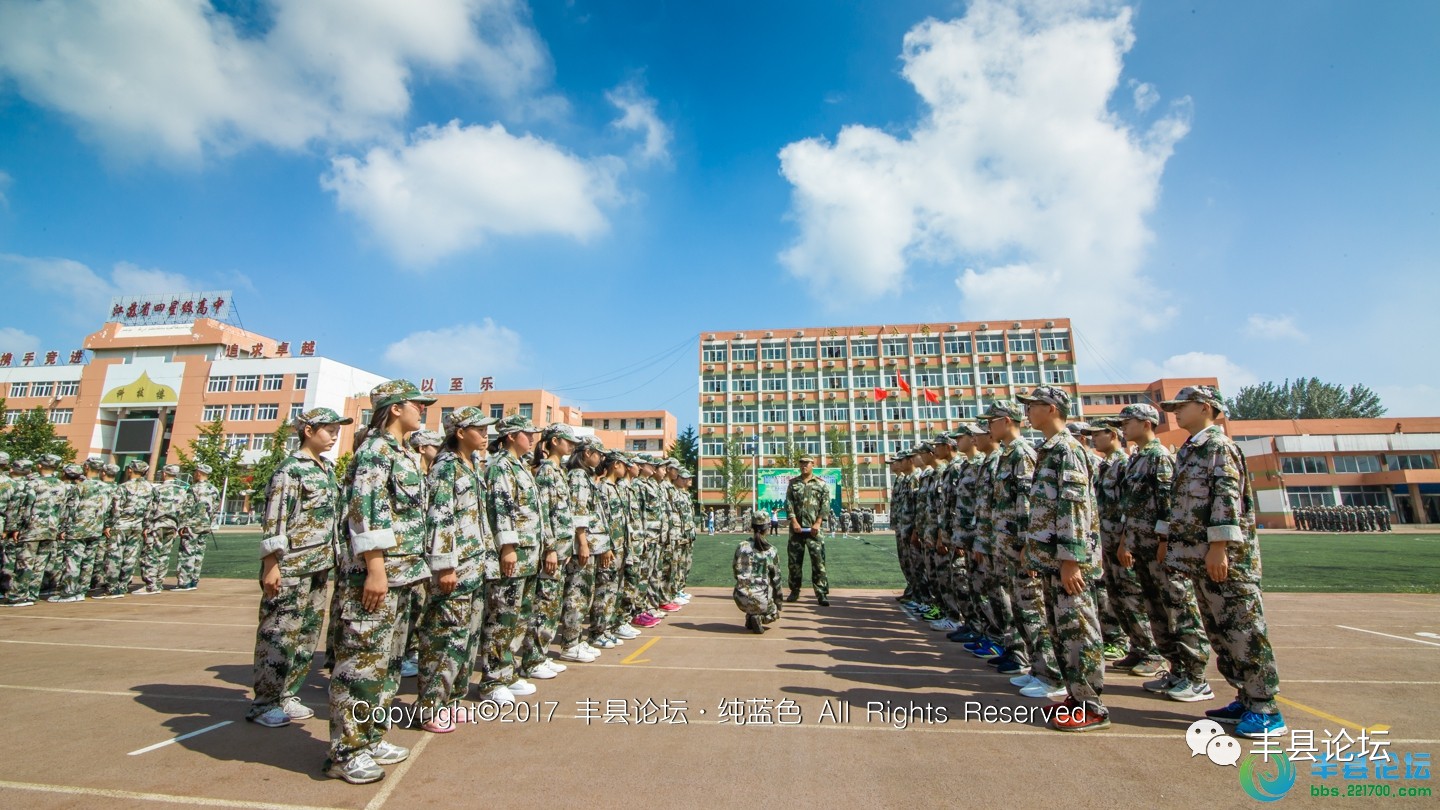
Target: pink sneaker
442	723
669	607
645	620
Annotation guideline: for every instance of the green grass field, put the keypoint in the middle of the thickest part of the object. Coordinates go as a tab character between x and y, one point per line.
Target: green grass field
1397	563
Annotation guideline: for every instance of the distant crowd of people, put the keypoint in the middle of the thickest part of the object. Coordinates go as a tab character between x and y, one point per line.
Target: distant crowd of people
1342	519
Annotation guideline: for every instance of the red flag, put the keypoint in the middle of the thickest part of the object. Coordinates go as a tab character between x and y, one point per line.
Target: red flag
931	396
881	393
904	386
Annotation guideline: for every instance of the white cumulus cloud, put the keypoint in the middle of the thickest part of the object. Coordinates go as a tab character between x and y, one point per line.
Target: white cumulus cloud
178	77
1017	171
638	114
1231	375
1273	327
450	187
82	295
1145	95
485	348
17	341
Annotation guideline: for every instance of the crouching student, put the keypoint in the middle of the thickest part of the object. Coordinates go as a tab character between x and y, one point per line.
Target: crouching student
757	578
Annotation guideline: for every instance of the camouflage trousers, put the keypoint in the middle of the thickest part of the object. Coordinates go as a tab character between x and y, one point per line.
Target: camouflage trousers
449	636
155	556
957	585
409	627
542	621
995	602
9	566
1036	647
367	668
687	559
77	564
798	547
575	602
672	570
635	588
1074	624
604	606
1126	600
1234	618
285	639
190	558
758	601
902	556
120	559
1174	616
659	567
35	559
332	634
507	608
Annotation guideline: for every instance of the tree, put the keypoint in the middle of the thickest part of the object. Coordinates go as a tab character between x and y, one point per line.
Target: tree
790	455
1305	398
212	449
342	465
686	448
735	470
837	451
33	435
262	470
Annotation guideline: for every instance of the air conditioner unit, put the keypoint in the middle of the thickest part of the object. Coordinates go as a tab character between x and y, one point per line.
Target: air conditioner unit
984	326
1050	357
922	361
1015	325
709	430
889	361
830	395
829	363
952	328
769	397
769	428
985	359
769	365
710	336
769	334
737	398
799	333
1049	324
709	366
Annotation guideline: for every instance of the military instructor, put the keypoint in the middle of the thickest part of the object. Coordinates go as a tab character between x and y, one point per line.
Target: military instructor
806	501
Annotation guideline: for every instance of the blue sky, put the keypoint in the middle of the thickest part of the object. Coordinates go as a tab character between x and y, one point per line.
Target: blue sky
566	194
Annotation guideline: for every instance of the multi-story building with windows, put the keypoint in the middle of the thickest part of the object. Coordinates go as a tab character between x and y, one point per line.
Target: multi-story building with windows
834	391
639	431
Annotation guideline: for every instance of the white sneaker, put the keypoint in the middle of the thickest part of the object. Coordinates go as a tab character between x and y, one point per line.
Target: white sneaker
626	631
540	673
619	642
1023	681
578	654
555	665
409	668
58	599
1041	689
296	710
522	687
594	653
274	718
944	624
388	753
500	694
604	643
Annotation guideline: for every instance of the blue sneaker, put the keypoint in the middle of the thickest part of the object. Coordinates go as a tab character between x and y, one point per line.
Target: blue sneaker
972	646
989	650
1259	726
1230	715
1012	667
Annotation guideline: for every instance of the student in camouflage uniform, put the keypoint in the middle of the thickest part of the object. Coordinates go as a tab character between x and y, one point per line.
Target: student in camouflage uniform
8	480
591	542
633	580
42	507
998	612
518	522
386	519
644	539
962	537
951	588
606	627
101	551
1119	582
560	532
921	521
22	473
757	578
900	481
85	526
128	514
684	480
427	444
675	536
1212	541
301	524
1062	544
1169	600
164	523
807	500
461	552
200	512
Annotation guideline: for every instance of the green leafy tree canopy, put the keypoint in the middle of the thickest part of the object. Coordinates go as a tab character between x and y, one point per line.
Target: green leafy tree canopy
33	435
1305	398
211	449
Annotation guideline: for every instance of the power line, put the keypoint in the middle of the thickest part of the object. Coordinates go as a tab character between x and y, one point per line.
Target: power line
640	386
625	371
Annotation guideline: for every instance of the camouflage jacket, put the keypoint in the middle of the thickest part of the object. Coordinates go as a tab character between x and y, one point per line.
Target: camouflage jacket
44	505
1145	498
685	511
132	504
87	514
1063	522
7	492
1212	502
630	497
962	513
583	494
984	540
1108	489
674	521
901	504
459	533
611	517
757	572
652	506
15	506
302	515
168	506
948	490
925	482
386	509
557	530
204	505
807	501
516	512
1010	499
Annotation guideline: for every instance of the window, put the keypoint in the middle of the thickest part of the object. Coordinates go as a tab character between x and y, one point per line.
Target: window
892	379
837	413
1304	465
895	347
624	424
1022	343
272	382
365	416
745	416
212	412
498	412
743	384
802	350
298	408
712	416
606	426
989	344
713	354
218	385
806	413
712	447
805	382
67	388
1055	343
962	410
811	446
1310	496
833	349
775	413
772	351
42	389
869	379
1364	496
897	411
927	345
927	379
895	444
247	382
1414	461
1026	376
772	382
657	424
863	349
867	446
590	423
11	417
957	345
550	416
61	416
237	441
241	413
261	441
302	381
1065	376
527	410
711	480
267	413
20	389
993	377
867	413
959	379
835	381
742	352
928	411
1357	464
870	477
772	446
292	443
639	444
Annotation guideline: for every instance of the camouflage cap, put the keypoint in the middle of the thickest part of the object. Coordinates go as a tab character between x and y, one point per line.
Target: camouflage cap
644	459
515	423
1048	394
469	416
1103	424
139	466
971	429
94	463
560	430
111	470
48	460
947	439
1077	428
394	392
315	417
1208	394
73	470
759	521
594	443
425	438
685	473
671	461
615	455
170	469
1007	408
22	465
203	468
1142	411
4	457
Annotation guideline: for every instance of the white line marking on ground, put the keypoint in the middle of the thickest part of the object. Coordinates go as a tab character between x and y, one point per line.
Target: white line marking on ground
129	694
126	621
392	780
201	801
147	749
1429	635
1387	635
124	647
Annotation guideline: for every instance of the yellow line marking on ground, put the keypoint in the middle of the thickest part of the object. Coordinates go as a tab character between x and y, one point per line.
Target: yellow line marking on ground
392	779
1387	635
129	694
634	658
124	647
1332	718
147	749
167	798
126	621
